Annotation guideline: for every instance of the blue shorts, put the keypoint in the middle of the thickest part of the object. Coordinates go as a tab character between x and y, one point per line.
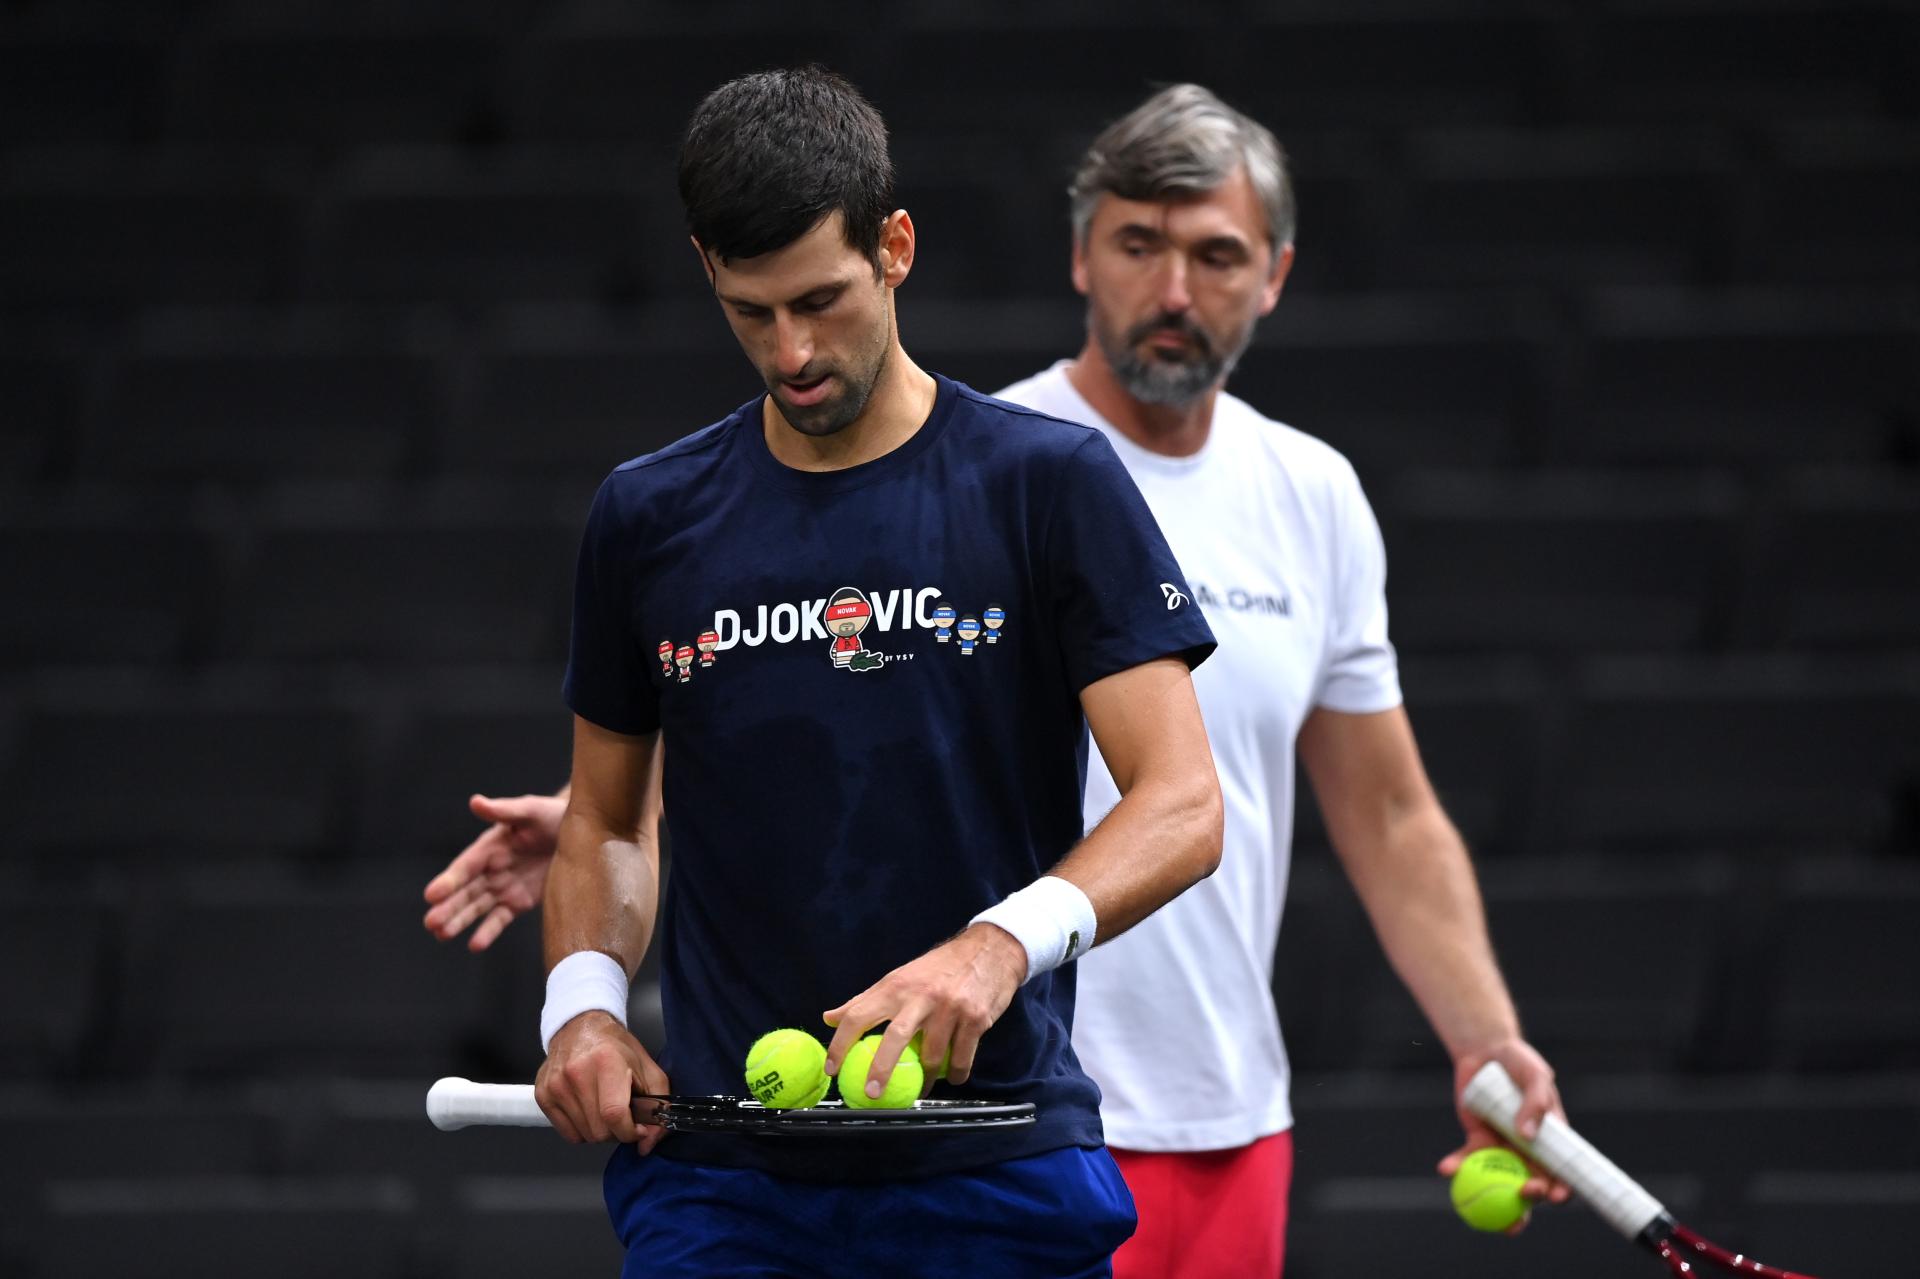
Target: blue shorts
1057	1215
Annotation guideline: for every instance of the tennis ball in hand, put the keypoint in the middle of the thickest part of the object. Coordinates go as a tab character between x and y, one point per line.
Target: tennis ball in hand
1486	1190
902	1090
787	1070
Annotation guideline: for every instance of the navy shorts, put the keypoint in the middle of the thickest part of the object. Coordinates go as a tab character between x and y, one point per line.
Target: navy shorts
1057	1215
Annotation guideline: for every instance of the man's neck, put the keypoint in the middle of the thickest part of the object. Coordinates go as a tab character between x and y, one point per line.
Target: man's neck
1170	430
901	402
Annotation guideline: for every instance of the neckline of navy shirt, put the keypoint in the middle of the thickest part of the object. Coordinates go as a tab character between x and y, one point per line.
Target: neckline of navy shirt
778	473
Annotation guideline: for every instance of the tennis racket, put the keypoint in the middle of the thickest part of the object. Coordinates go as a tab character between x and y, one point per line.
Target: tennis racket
458	1103
1620	1200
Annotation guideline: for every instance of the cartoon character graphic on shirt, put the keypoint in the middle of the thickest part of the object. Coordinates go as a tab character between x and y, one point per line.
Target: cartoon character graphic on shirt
848	613
993	617
943	615
969	632
683	658
666	657
706	643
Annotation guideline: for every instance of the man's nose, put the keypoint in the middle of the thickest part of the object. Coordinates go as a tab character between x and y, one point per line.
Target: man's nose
793	347
1175	296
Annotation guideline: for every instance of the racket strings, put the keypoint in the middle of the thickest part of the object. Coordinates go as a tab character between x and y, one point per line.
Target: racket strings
733	1114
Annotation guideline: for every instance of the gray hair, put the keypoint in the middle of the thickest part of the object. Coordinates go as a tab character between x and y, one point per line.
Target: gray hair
1183	141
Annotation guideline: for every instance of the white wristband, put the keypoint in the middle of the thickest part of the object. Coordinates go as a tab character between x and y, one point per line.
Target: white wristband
582	982
1050	917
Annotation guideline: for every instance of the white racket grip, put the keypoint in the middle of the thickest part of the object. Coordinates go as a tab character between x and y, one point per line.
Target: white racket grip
1620	1200
456	1103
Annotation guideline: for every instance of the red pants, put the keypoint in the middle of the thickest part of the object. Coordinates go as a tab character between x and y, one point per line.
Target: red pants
1212	1214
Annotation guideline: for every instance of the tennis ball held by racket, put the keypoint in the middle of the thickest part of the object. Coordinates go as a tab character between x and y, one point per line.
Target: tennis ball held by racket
787	1070
1486	1189
902	1090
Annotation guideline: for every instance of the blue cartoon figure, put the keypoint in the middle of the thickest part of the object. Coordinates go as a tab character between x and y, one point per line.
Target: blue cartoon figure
993	619
943	615
969	632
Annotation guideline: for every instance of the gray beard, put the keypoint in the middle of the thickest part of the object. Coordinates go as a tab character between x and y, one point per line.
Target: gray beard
1174	384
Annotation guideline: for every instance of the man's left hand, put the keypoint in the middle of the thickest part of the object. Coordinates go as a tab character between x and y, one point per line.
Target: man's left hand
954	993
1539	1098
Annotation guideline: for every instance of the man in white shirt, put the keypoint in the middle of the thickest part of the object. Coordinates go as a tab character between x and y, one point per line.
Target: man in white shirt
1183	227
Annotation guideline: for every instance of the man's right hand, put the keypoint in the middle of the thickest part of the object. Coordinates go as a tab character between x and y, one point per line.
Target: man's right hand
586	1086
501	875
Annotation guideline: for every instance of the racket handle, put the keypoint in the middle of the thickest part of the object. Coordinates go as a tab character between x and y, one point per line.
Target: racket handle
1620	1200
456	1103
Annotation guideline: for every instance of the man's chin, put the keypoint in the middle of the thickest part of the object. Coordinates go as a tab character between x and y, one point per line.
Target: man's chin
825	418
1174	385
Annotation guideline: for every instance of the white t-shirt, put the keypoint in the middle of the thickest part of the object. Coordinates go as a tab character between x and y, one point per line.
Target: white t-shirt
1175	1019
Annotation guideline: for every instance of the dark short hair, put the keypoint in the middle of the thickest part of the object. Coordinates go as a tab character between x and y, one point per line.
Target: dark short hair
767	156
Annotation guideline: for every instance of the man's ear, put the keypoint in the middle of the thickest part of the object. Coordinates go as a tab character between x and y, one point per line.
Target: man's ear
897	241
1282	264
1079	260
706	263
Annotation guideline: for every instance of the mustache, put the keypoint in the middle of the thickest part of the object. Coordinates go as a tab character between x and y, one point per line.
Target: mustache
1178	325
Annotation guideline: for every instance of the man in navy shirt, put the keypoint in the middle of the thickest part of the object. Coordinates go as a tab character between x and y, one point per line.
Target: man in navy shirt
870	827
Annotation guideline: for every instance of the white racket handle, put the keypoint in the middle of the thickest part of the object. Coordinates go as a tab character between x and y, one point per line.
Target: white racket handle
1620	1200
456	1103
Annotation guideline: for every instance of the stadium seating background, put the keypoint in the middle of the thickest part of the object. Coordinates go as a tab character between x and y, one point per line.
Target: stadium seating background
320	322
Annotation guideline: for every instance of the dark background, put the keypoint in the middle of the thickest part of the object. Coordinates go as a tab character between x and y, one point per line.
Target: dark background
319	323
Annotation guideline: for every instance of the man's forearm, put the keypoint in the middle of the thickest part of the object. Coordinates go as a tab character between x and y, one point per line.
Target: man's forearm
1164	835
1162	838
1417	883
602	892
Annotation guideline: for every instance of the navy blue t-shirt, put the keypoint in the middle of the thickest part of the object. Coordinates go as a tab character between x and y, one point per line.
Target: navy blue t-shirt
867	685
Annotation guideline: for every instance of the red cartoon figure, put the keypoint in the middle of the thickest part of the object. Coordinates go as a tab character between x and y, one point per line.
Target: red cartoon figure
683	658
708	641
666	657
847	615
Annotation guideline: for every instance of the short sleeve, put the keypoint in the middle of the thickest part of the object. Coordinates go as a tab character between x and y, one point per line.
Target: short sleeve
1119	598
1361	673
608	682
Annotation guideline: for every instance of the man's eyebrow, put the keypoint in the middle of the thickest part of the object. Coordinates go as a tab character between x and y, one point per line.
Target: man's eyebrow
831	287
1223	243
1230	243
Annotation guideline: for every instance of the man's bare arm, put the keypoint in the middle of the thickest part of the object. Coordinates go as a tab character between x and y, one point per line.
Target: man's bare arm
602	895
1412	872
1163	837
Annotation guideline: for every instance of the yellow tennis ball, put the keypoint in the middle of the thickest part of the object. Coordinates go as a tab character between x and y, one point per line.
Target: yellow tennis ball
1486	1190
902	1090
787	1070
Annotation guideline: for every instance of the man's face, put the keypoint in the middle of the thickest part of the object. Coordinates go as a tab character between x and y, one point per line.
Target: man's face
1174	288
815	320
847	614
